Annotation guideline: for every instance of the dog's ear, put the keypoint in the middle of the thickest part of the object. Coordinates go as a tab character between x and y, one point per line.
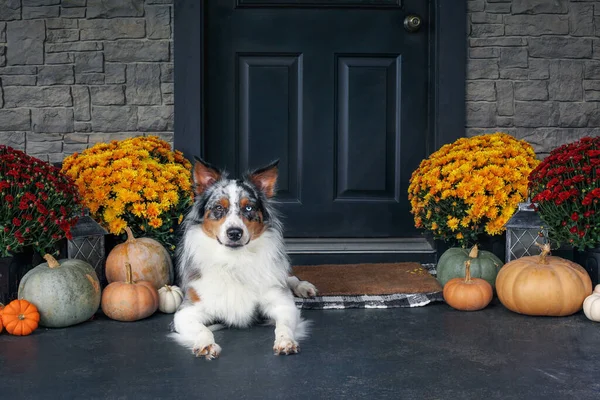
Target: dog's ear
265	178
204	175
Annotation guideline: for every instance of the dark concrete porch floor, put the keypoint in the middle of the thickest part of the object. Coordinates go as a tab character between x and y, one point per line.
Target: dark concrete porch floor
430	352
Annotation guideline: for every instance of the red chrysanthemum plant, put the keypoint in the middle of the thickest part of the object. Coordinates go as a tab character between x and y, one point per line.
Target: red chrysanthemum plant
39	203
566	188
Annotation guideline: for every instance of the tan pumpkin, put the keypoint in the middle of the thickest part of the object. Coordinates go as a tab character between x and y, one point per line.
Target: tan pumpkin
129	300
149	261
543	285
468	294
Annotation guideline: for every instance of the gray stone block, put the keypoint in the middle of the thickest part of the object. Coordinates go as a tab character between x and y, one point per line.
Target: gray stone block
83	127
73	3
2	32
475	5
168	88
486	30
540	6
498	42
81	103
18	80
60	58
565	80
76	12
505	98
111	29
166	72
497	8
531	90
484	52
93	78
154	119
53	96
2	56
72	148
481	114
513	73
41	12
536	25
37	3
560	47
505	121
55	75
476	91
159	1
539	68
10	10
108	95
16	140
573	115
25	42
15	120
19	70
513	57
143	84
485	18
115	8
137	51
581	19
75	46
89	61
62	35
76	138
114	73
591	70
482	69
536	113
61	23
168	98
591	90
114	118
158	22
53	120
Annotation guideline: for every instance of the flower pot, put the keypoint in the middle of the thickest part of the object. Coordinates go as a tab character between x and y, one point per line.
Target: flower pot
12	269
590	260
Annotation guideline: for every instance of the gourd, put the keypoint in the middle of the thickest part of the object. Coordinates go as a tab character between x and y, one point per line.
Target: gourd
149	261
65	292
129	300
1	326
591	305
169	298
484	265
543	285
468	294
20	317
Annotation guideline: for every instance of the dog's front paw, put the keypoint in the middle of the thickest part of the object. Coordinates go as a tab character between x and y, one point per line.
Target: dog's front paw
285	345
209	352
305	289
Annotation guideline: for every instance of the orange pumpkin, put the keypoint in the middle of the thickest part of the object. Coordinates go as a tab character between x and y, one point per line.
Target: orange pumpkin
468	294
149	261
1	326
543	285
129	300
20	317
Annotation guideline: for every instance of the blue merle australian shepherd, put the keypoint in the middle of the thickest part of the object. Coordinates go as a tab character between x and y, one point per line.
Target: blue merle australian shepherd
233	265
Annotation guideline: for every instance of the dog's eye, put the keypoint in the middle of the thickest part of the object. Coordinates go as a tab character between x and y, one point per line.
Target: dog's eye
248	208
218	208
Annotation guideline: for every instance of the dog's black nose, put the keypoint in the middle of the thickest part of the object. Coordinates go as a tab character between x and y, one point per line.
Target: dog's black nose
234	234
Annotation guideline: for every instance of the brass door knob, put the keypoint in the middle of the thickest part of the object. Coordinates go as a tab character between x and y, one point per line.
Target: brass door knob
412	23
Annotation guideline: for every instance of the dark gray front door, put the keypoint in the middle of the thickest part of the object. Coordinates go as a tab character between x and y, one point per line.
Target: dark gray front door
335	89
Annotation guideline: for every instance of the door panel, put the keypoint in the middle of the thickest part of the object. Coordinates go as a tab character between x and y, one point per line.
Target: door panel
337	93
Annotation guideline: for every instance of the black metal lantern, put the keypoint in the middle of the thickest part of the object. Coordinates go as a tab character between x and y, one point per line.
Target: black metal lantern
524	231
88	244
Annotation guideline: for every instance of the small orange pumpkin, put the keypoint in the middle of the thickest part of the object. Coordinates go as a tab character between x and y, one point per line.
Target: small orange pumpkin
468	294
1	326
129	300
20	317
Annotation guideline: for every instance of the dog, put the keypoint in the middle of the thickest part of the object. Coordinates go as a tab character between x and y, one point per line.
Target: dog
233	265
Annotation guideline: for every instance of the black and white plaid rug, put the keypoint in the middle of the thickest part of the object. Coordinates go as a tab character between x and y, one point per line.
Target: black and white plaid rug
372	301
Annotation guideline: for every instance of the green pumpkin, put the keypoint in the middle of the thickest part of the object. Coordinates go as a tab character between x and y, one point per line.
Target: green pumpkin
65	292
484	265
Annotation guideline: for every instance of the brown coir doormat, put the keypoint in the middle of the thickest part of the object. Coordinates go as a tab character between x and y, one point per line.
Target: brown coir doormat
369	285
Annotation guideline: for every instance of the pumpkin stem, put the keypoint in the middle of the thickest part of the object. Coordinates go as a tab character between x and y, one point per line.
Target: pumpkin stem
129	273
474	252
545	251
168	288
130	237
52	263
21	317
468	272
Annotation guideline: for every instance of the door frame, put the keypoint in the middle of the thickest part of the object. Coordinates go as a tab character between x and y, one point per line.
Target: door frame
447	49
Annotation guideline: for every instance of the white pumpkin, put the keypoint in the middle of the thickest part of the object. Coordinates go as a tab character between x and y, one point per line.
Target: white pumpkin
169	298
591	305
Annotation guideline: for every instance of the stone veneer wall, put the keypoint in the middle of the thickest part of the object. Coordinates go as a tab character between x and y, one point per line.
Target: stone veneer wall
534	69
76	72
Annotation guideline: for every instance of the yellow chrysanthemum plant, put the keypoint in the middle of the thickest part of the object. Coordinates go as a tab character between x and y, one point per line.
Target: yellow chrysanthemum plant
140	183
471	187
